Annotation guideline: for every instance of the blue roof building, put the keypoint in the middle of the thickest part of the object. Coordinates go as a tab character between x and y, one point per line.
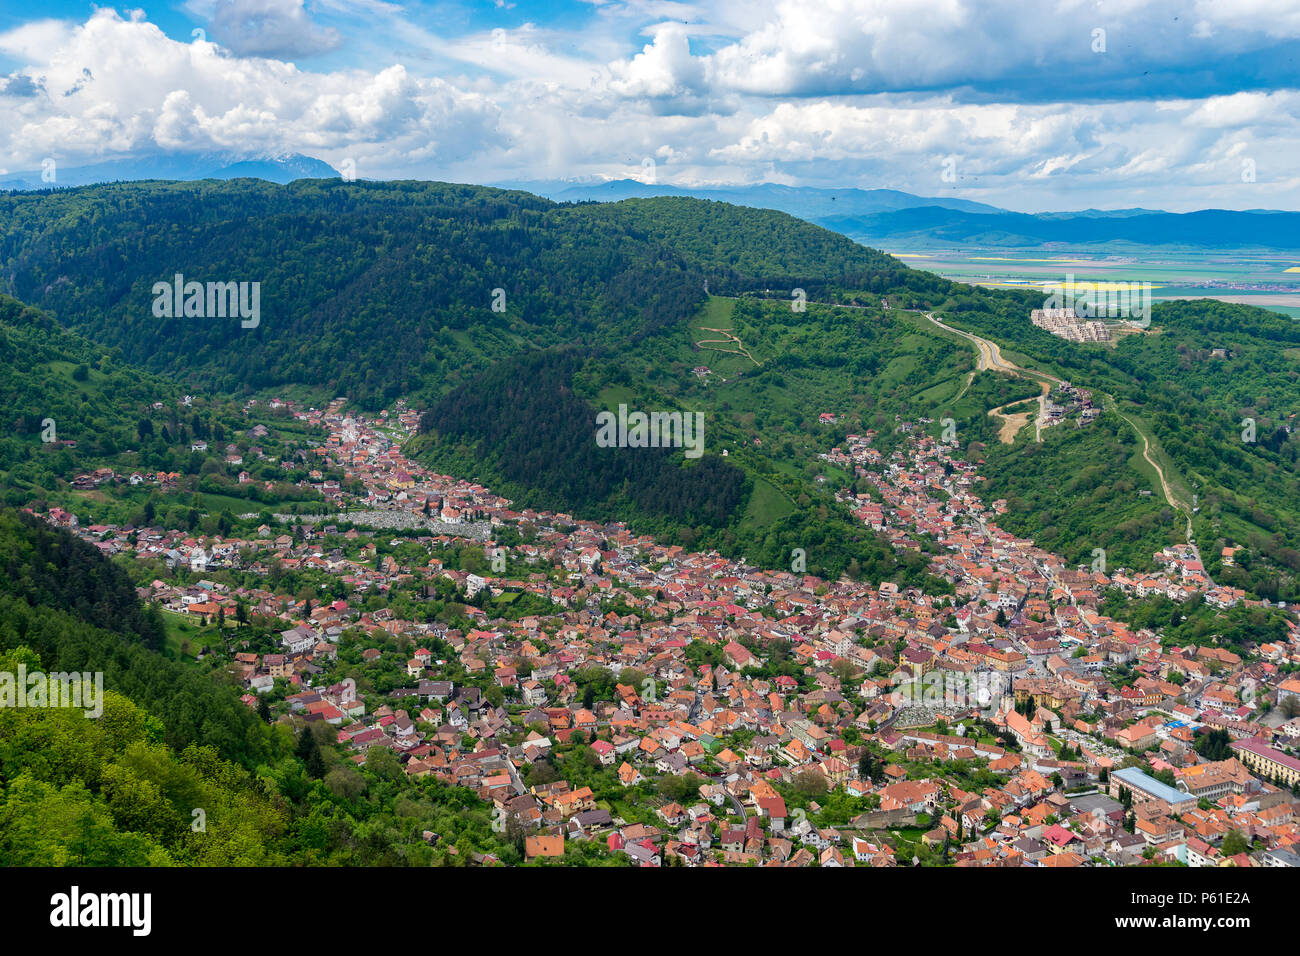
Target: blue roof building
1146	787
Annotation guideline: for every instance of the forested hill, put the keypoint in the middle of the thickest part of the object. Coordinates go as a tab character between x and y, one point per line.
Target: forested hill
388	289
57	387
62	599
741	249
524	418
54	569
371	287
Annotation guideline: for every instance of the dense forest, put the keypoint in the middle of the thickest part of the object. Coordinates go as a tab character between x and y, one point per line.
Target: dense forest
55	569
523	417
743	249
381	289
400	288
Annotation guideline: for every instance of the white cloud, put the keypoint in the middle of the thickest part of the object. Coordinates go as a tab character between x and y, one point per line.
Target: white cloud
664	67
36	41
1184	151
136	89
821	47
709	99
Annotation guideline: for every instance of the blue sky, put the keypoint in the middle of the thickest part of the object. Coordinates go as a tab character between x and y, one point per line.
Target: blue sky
1064	104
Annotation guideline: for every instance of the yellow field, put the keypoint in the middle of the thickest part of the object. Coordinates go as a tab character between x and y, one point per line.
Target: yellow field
1073	262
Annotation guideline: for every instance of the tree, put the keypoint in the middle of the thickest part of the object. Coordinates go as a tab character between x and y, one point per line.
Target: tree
1235	842
383	763
315	764
1215	745
809	783
345	782
308	751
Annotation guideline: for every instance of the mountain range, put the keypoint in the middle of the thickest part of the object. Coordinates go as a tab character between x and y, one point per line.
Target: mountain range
173	166
875	217
902	220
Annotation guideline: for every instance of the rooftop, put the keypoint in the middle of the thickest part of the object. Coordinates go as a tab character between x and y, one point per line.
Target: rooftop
1135	778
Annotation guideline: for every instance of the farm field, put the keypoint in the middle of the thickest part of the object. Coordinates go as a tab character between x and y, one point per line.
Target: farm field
1267	280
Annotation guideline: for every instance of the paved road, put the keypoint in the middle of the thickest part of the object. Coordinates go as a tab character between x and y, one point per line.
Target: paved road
738	805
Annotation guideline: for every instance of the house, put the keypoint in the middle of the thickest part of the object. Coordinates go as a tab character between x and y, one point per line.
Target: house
534	693
1058	839
605	751
774	809
672	814
544	846
298	640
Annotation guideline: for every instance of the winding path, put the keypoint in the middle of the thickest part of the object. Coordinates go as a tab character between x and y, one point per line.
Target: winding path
1160	473
738	350
990	357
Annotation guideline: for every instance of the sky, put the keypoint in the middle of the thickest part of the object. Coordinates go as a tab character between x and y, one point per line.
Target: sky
1034	106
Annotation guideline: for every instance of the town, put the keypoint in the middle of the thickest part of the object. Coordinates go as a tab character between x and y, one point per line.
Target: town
739	716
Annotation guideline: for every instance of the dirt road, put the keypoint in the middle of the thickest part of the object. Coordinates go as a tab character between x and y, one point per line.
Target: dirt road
990	359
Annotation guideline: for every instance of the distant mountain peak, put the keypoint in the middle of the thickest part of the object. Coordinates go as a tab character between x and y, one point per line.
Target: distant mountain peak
277	168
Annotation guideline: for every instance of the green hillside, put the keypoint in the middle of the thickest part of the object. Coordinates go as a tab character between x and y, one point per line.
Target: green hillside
376	290
72	406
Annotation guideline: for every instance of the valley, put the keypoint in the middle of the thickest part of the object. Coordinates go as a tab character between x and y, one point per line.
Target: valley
422	602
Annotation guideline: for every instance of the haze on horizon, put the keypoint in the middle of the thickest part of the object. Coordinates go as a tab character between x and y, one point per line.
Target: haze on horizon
1034	107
